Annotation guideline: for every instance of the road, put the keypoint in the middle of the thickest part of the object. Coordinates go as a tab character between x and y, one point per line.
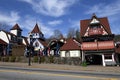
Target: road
7	73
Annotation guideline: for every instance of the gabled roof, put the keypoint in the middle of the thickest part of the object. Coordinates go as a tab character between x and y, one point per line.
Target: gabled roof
84	24
36	29
3	42
71	44
16	27
43	43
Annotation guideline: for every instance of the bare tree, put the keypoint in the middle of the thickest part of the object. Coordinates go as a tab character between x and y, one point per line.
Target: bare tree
57	34
71	33
78	35
4	26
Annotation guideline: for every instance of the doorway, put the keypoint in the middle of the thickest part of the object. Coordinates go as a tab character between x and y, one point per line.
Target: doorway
94	59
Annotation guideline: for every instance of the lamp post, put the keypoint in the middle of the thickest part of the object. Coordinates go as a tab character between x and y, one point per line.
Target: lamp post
30	51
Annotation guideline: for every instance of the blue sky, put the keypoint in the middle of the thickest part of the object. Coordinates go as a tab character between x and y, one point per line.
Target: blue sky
57	14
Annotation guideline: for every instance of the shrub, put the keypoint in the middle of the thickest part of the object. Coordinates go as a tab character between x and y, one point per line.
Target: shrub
57	60
35	59
51	59
42	59
18	59
12	58
84	64
6	59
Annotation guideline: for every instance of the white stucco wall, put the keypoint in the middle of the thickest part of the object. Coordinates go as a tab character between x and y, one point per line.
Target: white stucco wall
3	36
62	53
23	41
14	32
72	53
40	45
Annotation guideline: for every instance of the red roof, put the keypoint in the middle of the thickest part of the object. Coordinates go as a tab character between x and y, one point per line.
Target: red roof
36	29
16	27
85	23
71	44
3	42
43	43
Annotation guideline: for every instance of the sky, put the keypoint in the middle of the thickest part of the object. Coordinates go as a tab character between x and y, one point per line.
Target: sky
60	15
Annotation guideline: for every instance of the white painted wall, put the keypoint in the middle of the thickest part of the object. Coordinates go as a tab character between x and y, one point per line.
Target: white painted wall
73	53
40	45
3	36
23	41
14	32
62	53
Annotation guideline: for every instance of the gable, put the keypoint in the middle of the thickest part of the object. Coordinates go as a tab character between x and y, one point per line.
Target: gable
84	24
37	44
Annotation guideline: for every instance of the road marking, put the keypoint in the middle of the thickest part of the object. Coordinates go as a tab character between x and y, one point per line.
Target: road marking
62	75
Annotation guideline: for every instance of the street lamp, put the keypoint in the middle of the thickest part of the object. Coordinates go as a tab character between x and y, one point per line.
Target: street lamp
30	51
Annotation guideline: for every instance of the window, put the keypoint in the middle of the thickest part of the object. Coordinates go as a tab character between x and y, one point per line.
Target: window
108	56
36	44
19	33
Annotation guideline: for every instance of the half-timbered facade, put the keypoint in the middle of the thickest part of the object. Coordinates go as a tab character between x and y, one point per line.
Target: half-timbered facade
12	38
98	45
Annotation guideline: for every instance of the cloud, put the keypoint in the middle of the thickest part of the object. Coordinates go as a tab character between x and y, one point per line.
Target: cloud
54	8
111	10
55	22
10	18
103	9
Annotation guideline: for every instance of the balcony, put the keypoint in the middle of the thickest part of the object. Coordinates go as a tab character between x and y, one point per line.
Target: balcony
103	45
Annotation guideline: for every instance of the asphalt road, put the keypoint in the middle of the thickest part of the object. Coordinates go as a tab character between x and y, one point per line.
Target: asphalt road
7	73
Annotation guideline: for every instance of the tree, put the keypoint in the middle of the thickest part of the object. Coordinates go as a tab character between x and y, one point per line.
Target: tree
4	26
57	34
71	33
78	35
117	38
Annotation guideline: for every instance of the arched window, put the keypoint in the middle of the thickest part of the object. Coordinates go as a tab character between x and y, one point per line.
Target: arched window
36	44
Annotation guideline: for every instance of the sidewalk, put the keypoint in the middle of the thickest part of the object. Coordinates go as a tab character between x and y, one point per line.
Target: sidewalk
94	68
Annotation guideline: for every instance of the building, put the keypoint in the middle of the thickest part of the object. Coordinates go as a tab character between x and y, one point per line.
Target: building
37	40
3	46
71	48
12	38
54	46
97	44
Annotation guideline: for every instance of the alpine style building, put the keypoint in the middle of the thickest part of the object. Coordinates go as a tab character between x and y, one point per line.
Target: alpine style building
37	40
97	44
10	39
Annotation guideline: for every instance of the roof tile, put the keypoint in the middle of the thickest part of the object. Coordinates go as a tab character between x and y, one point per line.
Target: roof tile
16	27
36	29
71	44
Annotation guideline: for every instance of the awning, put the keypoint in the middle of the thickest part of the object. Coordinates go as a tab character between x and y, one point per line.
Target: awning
99	45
